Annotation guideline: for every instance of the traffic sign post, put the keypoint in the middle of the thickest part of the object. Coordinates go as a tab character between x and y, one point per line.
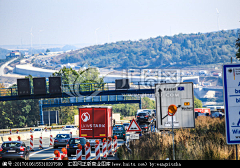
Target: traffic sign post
180	95
173	97
231	90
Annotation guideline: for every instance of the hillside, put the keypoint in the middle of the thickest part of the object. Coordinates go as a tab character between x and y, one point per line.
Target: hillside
169	51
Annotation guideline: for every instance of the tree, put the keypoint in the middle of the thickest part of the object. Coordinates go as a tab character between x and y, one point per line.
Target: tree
197	103
238	47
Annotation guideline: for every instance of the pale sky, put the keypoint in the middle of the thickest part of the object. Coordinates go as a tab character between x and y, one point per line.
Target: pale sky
102	21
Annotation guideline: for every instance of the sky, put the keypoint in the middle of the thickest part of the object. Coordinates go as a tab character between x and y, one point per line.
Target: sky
69	22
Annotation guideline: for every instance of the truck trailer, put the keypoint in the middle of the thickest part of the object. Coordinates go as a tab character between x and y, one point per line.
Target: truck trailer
95	122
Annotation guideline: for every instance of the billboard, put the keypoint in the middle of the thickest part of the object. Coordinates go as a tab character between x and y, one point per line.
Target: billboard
51	117
231	90
175	101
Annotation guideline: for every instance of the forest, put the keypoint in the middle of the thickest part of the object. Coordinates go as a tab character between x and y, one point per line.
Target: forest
161	52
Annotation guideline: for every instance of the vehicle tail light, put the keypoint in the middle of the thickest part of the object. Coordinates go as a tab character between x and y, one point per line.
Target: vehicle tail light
22	148
146	127
138	116
146	116
1	149
67	145
123	134
55	140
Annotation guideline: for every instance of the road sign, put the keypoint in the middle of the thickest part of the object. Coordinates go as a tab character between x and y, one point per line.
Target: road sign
134	136
175	101
231	89
133	126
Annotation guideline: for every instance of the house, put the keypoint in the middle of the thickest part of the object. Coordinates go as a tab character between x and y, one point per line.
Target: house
15	53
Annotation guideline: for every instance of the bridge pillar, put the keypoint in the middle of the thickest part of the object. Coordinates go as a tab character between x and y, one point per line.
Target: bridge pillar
41	113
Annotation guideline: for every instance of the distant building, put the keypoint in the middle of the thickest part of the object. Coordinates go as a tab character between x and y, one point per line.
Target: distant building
15	53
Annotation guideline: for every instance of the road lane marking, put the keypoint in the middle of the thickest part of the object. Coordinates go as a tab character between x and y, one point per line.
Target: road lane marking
39	151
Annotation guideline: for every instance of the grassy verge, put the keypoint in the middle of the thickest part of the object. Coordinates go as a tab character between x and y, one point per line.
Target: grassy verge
206	141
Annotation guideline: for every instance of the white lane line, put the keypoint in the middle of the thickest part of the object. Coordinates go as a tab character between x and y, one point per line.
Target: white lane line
40	151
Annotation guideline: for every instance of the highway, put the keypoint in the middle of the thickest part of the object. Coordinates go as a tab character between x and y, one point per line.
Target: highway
47	153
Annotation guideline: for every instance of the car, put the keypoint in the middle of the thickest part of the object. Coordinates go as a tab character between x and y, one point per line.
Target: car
38	130
72	145
61	140
69	128
14	150
126	125
144	117
145	127
119	131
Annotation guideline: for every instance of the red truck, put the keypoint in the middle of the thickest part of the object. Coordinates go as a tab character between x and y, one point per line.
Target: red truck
95	122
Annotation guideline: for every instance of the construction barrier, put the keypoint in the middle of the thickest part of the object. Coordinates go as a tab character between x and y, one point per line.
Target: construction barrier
19	138
17	132
115	144
40	143
87	151
79	152
62	128
64	151
31	142
51	140
104	148
31	130
9	139
10	132
97	150
57	155
110	146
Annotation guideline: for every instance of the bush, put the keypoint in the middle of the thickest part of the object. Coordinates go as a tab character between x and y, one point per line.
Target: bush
206	141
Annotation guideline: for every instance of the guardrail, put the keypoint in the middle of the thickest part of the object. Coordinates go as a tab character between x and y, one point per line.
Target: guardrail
7	131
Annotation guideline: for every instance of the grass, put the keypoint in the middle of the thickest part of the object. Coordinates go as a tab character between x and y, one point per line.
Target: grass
207	141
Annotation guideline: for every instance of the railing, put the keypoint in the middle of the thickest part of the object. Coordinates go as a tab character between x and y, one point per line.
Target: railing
76	89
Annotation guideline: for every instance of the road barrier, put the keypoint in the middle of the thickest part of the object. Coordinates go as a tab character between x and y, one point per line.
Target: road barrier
9	138
31	143
115	144
57	155
110	147
64	151
19	138
10	132
40	143
79	152
87	151
97	150
51	140
104	148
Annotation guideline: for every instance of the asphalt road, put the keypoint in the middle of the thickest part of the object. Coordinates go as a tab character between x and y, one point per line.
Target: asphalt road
47	153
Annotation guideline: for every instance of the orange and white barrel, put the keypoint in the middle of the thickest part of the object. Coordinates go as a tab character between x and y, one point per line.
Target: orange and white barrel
57	155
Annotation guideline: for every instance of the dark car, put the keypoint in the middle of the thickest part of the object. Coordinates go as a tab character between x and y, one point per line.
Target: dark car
14	150
61	140
72	145
119	131
145	127
144	117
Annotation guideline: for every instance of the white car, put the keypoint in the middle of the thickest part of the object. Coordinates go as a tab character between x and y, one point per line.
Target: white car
69	127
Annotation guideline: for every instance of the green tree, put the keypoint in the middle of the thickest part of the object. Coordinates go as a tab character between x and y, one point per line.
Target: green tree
197	103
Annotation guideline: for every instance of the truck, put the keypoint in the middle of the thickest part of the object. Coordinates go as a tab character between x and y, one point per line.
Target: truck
95	123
